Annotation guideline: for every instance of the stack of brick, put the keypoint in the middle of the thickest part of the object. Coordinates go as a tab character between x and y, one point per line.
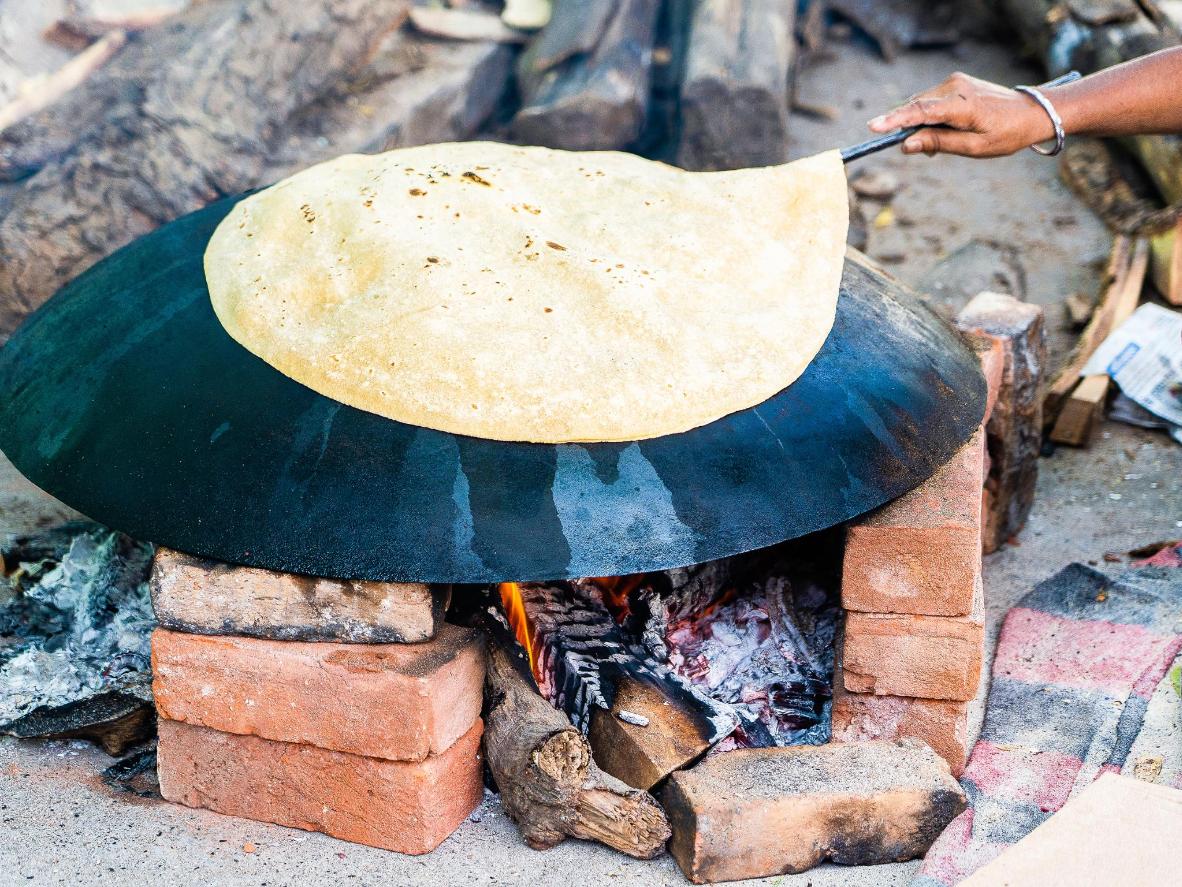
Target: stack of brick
300	702
911	660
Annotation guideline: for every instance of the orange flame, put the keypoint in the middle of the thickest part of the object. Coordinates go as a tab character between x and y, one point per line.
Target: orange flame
616	591
518	620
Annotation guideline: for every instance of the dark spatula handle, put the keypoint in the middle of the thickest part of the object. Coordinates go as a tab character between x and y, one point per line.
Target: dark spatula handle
901	135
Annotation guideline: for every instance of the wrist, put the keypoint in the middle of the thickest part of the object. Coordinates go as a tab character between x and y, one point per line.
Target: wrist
1068	109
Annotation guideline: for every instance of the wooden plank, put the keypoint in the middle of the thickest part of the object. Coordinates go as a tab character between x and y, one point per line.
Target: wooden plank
1080	411
1124	277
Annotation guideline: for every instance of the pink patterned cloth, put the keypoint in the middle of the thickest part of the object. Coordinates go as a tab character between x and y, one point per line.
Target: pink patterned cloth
1077	660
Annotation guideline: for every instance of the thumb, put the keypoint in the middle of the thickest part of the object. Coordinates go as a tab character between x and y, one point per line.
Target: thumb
939	140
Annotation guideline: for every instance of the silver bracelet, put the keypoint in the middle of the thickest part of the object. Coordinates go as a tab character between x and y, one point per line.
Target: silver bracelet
1056	121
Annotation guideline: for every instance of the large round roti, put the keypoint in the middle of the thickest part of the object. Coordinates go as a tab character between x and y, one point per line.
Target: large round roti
535	295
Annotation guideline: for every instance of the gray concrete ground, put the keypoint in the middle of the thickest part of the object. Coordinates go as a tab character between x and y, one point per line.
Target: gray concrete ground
60	825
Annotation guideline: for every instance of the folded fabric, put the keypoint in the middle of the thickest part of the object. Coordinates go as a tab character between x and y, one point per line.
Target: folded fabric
1077	661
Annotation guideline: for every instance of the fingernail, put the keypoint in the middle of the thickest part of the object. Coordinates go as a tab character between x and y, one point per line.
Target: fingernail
912	146
878	122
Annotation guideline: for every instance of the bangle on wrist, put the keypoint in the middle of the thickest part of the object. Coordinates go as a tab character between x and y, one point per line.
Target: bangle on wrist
1057	122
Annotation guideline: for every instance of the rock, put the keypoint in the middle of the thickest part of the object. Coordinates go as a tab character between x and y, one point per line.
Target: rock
978	265
752	813
1078	309
875	184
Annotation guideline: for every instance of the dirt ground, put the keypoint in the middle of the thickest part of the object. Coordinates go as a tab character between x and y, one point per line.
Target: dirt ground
60	825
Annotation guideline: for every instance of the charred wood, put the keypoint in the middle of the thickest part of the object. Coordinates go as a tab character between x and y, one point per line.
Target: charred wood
582	657
735	99
584	82
549	784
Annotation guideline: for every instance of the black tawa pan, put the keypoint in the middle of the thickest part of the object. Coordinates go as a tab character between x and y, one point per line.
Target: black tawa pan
125	398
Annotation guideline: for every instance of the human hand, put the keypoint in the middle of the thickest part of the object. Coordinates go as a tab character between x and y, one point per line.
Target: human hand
976	118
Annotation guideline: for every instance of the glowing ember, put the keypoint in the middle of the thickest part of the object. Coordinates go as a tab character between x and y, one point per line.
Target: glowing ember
518	621
615	590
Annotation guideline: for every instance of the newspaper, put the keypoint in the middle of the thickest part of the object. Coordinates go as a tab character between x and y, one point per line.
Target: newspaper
1144	357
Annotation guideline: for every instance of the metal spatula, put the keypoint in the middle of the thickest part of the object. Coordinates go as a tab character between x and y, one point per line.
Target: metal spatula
901	135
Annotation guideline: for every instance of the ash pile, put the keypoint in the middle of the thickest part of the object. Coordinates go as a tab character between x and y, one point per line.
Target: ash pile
75	623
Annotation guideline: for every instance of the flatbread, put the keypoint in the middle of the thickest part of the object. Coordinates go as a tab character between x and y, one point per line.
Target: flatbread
526	294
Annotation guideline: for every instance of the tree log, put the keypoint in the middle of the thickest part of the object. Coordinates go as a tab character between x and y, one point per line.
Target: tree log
736	95
549	784
221	81
584	81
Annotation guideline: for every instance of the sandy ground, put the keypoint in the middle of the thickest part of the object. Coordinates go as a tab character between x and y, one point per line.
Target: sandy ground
60	825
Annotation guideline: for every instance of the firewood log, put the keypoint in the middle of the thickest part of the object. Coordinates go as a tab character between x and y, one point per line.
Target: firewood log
584	81
736	95
187	118
549	784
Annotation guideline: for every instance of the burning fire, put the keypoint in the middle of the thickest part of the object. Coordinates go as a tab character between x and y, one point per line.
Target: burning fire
616	589
518	621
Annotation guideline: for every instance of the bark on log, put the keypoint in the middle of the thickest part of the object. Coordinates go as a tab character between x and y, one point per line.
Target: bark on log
549	784
584	82
736	95
223	80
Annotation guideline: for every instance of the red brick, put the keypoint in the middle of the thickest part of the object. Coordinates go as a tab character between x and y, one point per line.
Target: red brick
991	352
756	812
397	805
939	723
921	554
207	597
401	702
930	657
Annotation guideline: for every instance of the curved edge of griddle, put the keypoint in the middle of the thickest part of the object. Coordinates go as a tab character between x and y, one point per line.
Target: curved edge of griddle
128	401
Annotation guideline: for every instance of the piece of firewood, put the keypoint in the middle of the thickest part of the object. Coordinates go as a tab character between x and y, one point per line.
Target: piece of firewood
549	784
1166	264
416	91
1124	278
582	657
584	81
735	99
645	736
187	118
1080	411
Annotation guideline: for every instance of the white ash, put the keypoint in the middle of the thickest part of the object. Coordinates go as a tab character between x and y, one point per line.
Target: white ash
75	616
766	651
629	717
